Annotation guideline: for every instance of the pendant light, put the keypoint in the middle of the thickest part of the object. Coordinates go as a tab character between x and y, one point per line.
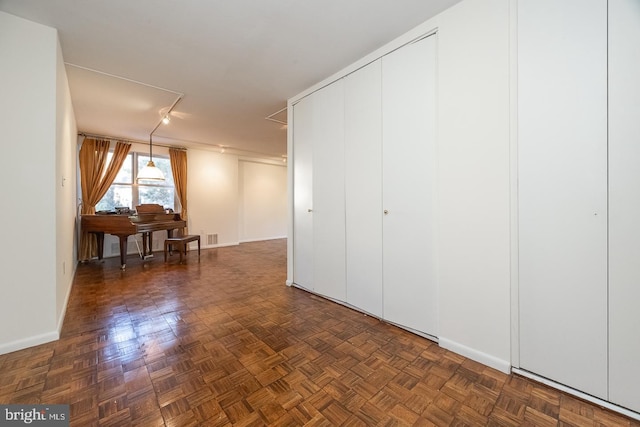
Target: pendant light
150	172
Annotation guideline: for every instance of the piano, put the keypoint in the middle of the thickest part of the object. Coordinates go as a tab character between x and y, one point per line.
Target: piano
148	218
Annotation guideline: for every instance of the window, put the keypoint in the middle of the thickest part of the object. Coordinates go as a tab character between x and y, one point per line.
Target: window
126	192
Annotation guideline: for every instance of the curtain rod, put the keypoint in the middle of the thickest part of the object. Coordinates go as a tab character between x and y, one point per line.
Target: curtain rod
93	135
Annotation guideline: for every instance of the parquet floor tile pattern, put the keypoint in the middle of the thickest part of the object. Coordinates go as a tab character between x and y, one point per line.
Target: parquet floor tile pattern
223	342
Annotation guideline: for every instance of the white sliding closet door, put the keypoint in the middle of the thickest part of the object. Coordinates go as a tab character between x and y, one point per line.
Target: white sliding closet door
562	168
319	213
363	181
328	192
409	170
303	115
624	203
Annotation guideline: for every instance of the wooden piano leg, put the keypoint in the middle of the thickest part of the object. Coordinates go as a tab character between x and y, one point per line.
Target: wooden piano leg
100	240
144	245
123	251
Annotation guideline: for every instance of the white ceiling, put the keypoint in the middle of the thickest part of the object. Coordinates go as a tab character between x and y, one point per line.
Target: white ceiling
234	62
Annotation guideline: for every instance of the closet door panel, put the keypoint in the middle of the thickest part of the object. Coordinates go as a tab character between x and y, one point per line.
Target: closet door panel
303	193
624	203
408	135
363	181
328	192
562	168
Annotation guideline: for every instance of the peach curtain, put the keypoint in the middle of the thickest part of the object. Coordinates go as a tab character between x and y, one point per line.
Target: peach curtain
179	171
95	181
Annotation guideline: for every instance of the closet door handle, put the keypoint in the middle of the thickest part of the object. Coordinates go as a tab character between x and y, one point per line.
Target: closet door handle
309	210
386	212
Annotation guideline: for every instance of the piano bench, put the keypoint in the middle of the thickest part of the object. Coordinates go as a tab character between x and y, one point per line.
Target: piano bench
180	242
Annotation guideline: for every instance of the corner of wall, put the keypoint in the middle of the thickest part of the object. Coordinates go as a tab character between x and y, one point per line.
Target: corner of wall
65	190
478	356
23	343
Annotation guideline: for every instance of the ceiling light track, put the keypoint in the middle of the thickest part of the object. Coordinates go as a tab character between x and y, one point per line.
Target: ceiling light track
166	115
150	172
270	116
124	78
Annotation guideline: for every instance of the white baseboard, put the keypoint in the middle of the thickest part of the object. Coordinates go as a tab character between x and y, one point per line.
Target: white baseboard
262	239
478	356
23	343
288	282
66	298
222	245
577	393
62	315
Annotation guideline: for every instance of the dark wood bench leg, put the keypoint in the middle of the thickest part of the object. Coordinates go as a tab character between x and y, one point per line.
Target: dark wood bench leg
182	245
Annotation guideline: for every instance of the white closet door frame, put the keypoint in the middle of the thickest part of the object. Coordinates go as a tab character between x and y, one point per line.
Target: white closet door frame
562	149
624	203
409	171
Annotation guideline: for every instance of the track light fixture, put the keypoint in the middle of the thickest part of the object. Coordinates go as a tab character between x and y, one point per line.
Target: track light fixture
151	172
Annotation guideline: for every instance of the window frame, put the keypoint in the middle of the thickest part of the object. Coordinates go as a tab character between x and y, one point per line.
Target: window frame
133	157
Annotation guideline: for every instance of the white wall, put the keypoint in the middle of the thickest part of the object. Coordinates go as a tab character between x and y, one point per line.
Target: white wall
236	199
33	286
212	189
65	183
473	156
263	201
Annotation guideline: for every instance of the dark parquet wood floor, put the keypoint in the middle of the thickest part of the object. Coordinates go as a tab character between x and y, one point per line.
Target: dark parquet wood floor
224	342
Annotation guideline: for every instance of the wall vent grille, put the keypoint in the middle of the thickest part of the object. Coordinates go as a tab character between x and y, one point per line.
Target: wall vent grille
212	239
